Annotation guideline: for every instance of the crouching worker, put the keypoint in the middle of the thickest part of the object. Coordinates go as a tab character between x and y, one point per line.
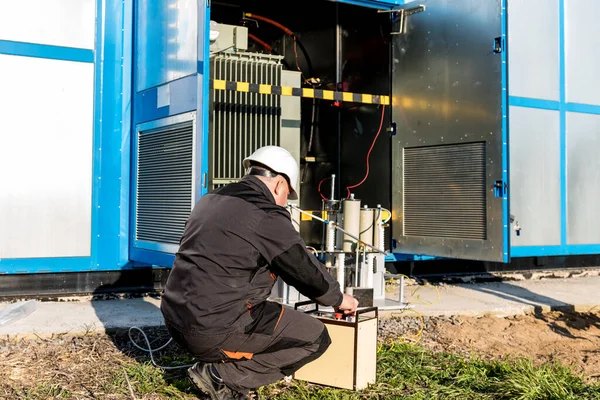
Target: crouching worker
236	243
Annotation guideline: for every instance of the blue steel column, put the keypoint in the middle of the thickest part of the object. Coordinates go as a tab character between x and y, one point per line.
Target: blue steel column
110	221
202	115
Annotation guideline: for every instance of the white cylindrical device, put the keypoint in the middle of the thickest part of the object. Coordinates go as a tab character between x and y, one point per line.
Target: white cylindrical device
330	237
370	270
339	235
351	210
378	239
340	264
366	224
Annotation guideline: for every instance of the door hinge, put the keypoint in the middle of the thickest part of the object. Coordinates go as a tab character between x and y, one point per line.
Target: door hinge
401	15
204	180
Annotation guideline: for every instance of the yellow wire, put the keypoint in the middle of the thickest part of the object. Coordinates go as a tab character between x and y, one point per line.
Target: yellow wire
417	336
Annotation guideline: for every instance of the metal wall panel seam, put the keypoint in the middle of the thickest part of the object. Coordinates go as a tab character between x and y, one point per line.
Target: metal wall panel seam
126	128
582	108
533	103
505	134
135	119
36	50
98	125
562	131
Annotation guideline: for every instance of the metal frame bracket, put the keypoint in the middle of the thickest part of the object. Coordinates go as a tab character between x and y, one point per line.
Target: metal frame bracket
404	12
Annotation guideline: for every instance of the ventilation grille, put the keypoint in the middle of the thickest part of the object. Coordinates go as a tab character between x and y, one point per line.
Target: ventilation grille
444	191
164	183
242	122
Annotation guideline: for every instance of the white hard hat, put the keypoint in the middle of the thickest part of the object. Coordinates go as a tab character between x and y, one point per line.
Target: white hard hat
279	160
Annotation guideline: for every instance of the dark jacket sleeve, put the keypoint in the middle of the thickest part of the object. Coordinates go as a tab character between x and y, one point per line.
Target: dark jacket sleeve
285	251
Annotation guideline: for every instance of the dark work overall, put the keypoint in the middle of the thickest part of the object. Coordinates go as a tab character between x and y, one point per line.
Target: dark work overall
248	360
236	244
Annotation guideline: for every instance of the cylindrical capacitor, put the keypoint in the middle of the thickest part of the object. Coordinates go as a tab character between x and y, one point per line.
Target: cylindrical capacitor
366	224
331	211
381	238
339	235
378	240
351	210
330	237
340	264
370	270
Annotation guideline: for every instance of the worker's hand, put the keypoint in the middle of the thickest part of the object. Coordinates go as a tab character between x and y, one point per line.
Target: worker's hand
349	304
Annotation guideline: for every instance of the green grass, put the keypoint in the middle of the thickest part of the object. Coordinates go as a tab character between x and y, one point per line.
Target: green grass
145	378
43	391
404	371
407	371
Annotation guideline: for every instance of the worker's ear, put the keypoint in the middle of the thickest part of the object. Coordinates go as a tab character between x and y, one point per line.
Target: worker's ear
281	186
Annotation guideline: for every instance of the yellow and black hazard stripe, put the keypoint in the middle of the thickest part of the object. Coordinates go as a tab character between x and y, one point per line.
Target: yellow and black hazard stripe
311	93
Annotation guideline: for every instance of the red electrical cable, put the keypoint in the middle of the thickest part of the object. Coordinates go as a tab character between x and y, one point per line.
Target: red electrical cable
285	29
369	154
270	21
319	187
260	42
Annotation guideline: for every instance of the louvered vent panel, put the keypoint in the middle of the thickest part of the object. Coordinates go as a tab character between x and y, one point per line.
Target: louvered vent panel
242	122
445	191
164	183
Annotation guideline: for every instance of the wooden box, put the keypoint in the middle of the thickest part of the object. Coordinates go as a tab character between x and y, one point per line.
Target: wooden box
350	362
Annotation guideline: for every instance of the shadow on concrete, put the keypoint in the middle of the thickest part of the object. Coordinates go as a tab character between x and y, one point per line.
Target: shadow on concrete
540	304
521	295
133	300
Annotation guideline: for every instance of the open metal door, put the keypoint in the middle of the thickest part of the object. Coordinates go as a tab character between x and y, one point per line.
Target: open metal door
450	153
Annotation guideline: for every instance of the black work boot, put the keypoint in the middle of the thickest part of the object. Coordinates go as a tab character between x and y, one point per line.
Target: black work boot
205	380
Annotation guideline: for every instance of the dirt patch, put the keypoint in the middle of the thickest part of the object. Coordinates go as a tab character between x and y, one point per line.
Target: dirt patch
570	338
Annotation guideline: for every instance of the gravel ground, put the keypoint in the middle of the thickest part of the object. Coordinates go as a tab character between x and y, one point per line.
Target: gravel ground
424	330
